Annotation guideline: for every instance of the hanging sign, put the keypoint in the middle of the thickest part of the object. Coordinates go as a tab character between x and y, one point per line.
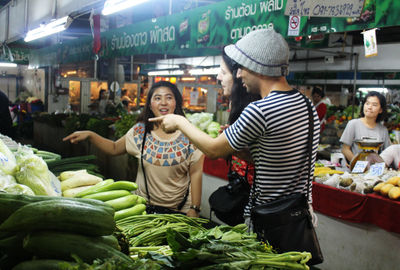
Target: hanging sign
294	26
324	8
370	46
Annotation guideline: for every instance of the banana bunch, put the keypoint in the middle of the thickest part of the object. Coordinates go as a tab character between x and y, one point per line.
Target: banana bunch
319	171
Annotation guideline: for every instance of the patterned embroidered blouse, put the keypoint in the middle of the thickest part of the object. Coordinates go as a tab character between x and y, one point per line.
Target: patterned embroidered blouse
167	165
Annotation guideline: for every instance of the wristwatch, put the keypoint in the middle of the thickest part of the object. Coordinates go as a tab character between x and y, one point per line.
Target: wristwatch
195	208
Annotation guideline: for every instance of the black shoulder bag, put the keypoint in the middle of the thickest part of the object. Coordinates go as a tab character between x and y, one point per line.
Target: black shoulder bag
228	201
286	223
157	209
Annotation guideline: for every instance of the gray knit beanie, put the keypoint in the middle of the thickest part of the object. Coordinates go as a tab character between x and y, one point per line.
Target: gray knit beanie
263	51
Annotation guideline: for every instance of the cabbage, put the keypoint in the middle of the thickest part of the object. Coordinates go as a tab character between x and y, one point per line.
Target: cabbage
213	129
201	120
23	152
34	173
6	180
8	164
19	189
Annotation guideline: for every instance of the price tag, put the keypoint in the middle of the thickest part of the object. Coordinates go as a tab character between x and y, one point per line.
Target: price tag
376	169
360	167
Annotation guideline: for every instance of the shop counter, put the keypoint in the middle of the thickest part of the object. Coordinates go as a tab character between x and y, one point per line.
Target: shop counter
354	207
338	203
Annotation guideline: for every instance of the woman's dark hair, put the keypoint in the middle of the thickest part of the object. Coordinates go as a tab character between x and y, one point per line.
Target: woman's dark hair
239	98
101	92
318	91
147	113
382	101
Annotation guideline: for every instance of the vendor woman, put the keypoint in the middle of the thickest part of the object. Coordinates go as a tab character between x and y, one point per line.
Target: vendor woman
369	125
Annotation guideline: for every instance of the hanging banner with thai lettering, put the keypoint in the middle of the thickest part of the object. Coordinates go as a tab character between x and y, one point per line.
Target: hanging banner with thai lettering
205	30
324	8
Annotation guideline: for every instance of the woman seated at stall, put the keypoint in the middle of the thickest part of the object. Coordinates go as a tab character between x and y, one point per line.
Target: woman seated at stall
369	125
170	167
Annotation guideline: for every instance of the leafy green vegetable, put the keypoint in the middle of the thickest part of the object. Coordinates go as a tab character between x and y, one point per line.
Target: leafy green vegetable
8	164
125	123
213	129
34	173
19	189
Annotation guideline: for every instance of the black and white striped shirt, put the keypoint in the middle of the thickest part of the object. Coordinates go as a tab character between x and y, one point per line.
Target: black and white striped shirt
275	129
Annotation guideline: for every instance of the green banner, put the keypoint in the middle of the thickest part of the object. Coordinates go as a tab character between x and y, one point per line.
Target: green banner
205	30
20	55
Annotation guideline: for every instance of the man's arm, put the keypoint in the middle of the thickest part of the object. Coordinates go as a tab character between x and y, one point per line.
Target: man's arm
211	147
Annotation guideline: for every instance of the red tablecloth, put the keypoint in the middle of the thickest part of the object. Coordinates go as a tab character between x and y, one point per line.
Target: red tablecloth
216	167
371	208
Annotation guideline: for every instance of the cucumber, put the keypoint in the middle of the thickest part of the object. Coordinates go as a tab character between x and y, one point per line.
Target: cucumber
141	200
60	245
12	244
99	187
65	215
110	240
123	202
43	265
133	211
70	160
108	195
47	155
9	203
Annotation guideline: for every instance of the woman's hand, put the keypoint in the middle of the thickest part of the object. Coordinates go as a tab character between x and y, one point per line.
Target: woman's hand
77	136
192	213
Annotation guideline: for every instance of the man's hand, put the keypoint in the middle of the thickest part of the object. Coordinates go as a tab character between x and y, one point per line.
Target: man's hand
170	122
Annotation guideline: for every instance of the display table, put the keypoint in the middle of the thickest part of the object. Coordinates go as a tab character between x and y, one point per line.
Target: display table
371	208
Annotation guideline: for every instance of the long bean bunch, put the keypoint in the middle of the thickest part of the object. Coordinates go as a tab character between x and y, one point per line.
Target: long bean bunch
150	230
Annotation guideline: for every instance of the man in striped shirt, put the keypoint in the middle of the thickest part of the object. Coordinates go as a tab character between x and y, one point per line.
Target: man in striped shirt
275	128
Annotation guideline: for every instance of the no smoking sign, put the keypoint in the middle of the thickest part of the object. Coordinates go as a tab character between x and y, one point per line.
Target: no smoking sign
294	26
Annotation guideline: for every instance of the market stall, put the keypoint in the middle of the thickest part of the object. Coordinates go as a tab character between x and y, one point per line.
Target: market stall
59	213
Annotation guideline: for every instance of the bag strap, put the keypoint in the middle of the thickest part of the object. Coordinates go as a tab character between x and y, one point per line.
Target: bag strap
141	160
309	148
182	203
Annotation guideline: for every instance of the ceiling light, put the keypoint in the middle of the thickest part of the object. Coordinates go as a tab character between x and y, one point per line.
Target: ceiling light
4	64
165	72
112	6
49	29
204	71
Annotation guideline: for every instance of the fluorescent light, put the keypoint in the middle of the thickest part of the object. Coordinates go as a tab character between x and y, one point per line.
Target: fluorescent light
49	29
112	6
165	72
204	71
3	64
377	89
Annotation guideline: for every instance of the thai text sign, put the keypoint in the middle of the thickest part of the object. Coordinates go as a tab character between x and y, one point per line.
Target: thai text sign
324	8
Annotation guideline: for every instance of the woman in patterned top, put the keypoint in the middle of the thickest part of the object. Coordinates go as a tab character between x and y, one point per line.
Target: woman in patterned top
172	165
